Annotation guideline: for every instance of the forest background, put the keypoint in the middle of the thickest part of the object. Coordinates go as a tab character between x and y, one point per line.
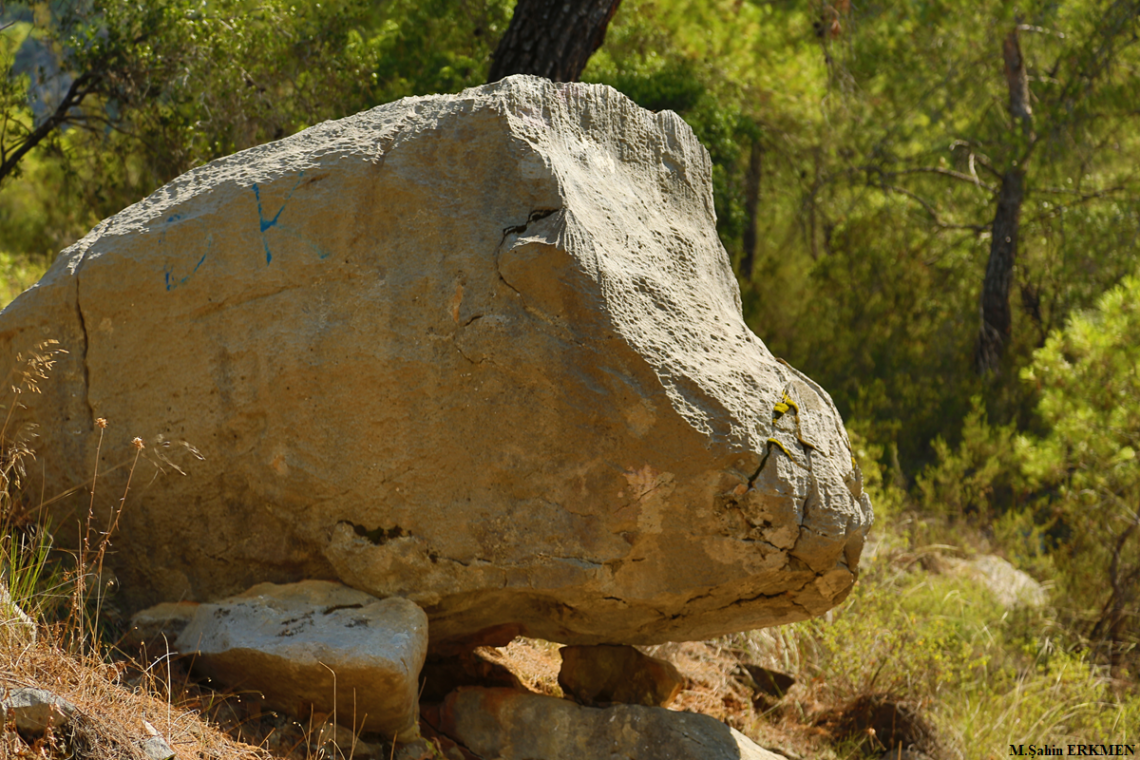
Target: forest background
932	207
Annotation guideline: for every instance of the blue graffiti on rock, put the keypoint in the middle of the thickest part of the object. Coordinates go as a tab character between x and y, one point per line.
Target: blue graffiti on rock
267	224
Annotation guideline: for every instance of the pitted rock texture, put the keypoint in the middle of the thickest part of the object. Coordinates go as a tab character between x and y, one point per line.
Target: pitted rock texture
483	351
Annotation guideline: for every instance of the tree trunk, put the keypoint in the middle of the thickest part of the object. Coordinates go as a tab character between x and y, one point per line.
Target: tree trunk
996	320
751	208
1113	622
552	38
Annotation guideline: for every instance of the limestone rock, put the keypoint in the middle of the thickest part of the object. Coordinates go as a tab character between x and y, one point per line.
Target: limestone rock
156	748
160	624
515	725
595	675
1011	587
483	351
35	710
317	645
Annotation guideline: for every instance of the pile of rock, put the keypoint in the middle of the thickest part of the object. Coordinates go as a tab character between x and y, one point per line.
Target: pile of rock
478	355
321	648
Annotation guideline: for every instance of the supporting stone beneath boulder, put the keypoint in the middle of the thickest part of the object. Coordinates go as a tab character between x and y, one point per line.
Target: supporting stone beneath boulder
513	725
317	646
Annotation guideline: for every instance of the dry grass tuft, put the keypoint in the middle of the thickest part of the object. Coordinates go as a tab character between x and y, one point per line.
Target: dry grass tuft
110	715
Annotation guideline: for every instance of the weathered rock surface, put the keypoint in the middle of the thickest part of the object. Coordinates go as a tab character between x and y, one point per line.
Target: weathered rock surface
600	674
156	748
161	624
515	725
34	710
317	645
481	351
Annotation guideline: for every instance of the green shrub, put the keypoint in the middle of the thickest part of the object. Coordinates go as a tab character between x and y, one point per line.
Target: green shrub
1086	467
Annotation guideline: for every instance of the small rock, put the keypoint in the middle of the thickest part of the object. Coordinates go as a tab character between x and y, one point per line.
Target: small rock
770	682
1010	586
36	710
420	749
317	645
156	748
606	673
514	725
903	754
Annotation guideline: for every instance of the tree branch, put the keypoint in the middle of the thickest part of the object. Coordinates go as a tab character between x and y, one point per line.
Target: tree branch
81	87
971	179
929	208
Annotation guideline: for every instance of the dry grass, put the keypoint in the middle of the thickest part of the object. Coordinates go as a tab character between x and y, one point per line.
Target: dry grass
110	723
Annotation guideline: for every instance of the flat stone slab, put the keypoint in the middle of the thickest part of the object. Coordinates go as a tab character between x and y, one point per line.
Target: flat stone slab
317	645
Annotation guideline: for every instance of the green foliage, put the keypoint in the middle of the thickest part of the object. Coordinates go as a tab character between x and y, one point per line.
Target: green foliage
1063	504
1088	377
979	478
988	676
176	83
17	274
886	495
911	645
420	48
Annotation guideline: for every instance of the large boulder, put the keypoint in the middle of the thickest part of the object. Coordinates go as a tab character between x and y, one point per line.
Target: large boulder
483	351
